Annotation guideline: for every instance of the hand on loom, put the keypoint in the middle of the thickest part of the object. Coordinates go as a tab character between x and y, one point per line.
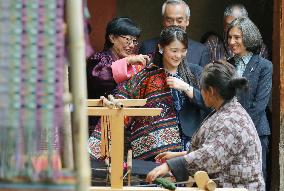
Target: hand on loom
161	158
158	171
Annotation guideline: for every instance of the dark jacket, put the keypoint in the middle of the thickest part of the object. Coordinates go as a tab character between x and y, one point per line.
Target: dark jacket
197	53
259	75
193	111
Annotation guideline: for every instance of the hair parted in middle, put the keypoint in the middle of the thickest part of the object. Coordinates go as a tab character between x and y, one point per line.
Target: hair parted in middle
251	36
167	36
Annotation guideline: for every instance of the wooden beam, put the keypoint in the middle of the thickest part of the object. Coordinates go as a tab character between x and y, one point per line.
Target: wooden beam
99	111
160	189
126	102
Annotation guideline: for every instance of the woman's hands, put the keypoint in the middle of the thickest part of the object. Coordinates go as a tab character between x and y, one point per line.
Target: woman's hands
158	171
161	158
179	84
176	83
164	168
138	59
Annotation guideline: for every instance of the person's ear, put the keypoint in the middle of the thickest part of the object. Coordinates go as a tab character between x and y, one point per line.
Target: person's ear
187	21
111	38
211	91
161	50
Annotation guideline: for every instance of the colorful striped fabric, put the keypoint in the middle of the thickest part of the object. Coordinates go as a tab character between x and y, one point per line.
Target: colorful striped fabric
31	86
149	135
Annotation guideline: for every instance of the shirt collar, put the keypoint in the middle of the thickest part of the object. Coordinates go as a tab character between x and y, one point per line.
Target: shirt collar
245	59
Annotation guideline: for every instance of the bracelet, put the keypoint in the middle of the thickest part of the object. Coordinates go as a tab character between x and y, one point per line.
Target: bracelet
189	88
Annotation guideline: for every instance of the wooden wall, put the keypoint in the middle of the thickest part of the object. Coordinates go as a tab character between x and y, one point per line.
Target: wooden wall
281	148
101	13
277	139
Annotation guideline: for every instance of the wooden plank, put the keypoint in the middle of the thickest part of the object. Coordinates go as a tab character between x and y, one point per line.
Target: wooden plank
126	102
160	189
99	111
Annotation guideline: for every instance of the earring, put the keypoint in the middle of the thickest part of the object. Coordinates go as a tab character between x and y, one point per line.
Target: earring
161	51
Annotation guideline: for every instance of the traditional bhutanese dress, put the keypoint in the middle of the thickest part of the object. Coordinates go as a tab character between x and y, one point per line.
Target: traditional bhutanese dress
149	136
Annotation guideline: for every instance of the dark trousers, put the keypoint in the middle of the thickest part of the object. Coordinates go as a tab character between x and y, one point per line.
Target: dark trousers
264	140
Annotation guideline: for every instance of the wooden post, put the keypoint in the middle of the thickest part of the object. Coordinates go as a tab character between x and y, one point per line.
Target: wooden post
281	144
117	150
68	161
78	86
277	152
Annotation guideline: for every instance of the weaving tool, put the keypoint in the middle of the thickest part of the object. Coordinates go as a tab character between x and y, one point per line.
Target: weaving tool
117	130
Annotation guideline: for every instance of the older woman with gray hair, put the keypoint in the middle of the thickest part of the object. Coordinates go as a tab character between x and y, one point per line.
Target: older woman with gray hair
244	40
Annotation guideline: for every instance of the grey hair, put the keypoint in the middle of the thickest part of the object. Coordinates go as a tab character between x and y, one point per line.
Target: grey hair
236	10
251	36
169	2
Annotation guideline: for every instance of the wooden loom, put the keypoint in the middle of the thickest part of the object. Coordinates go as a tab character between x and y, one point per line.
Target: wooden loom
98	107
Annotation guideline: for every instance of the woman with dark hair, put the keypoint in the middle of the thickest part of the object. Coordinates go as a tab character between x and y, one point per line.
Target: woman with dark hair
118	56
116	63
169	84
226	145
245	42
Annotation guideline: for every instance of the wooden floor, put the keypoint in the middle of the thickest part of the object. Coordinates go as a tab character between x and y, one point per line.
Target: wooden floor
160	189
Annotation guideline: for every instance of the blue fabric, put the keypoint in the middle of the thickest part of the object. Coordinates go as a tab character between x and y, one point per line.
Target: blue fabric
241	63
179	98
177	95
193	110
259	75
197	53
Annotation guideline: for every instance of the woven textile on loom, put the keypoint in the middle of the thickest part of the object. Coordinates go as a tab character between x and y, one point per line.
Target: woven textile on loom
31	88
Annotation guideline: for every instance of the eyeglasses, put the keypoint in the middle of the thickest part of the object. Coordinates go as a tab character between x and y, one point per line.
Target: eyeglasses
129	40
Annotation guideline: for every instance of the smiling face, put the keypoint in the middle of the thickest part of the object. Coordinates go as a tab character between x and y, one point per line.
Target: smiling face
235	42
173	54
123	45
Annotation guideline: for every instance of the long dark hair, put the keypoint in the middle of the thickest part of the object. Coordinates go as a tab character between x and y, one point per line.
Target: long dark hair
167	36
222	76
120	26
